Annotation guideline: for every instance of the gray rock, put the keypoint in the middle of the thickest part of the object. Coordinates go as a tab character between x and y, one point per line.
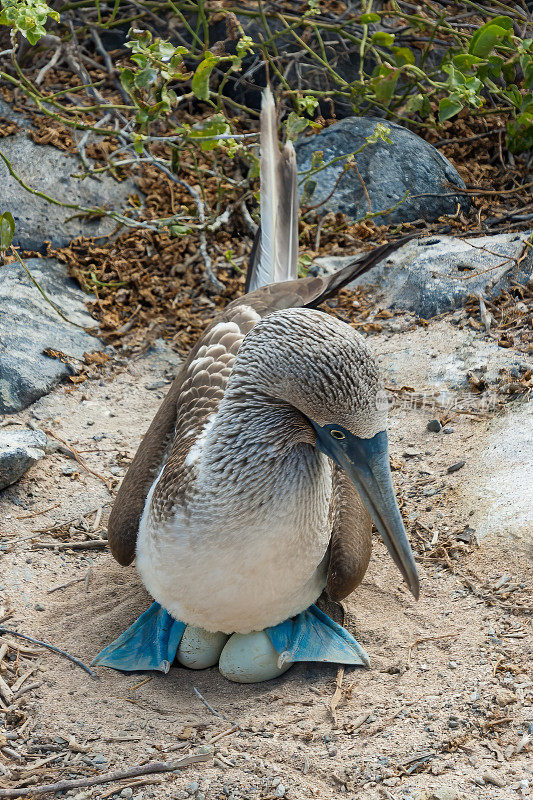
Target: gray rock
495	496
431	276
388	170
29	325
434	426
50	170
440	357
19	450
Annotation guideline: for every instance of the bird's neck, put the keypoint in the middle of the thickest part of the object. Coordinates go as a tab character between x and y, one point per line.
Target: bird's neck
262	447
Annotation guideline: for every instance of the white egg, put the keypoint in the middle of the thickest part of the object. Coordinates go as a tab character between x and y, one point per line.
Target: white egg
250	658
200	649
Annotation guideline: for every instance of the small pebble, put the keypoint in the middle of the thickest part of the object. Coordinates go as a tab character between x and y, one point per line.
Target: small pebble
155	385
434	426
454	467
39	607
68	469
444	793
491	777
127	792
193	787
206	749
452	664
410	452
448	429
280	790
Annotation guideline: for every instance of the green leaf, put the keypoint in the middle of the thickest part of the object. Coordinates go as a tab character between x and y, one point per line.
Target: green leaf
449	107
384	83
419	103
380	132
179	230
382	38
165	50
295	125
403	55
514	95
200	81
366	19
215	126
519	137
145	78
127	76
140	59
502	22
466	60
489	35
7	230
308	191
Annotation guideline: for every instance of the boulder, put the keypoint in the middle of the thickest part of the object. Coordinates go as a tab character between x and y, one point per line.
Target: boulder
51	171
440	357
29	325
19	450
430	276
496	491
388	170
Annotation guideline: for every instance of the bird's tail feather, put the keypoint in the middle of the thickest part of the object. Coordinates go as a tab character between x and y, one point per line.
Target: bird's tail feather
354	269
276	254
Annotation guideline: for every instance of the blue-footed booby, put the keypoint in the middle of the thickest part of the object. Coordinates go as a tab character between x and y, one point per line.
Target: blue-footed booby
255	487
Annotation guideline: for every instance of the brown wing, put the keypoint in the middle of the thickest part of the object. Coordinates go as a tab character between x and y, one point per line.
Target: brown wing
196	393
351	538
193	396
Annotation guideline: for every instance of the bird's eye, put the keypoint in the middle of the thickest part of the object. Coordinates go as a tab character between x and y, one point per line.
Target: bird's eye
337	434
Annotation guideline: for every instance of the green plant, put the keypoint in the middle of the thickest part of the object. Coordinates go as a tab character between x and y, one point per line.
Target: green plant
416	64
28	17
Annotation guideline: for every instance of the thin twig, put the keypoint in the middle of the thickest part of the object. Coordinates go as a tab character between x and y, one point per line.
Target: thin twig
90	544
132	772
337	694
72	453
38	513
212	710
64	585
49	647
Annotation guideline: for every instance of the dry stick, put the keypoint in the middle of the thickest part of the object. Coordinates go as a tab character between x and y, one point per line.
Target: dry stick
90	544
429	639
335	700
64	585
461	139
212	710
38	513
49	647
118	775
76	456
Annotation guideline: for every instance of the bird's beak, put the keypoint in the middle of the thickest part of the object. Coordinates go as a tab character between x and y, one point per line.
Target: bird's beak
366	462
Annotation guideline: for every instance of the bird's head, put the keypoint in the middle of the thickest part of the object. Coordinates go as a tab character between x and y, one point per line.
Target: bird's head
322	367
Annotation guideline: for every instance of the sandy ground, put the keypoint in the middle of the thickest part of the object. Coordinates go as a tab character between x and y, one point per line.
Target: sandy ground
446	706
